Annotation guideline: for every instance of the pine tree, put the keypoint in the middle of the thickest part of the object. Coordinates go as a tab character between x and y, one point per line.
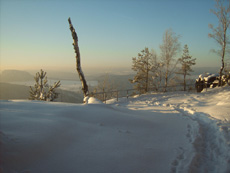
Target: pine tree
186	62
143	65
41	89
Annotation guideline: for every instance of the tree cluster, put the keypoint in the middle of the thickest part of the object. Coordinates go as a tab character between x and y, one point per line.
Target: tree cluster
153	73
164	69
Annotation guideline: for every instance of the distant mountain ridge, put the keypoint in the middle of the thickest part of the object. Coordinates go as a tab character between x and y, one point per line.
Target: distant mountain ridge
18	75
15	75
21	76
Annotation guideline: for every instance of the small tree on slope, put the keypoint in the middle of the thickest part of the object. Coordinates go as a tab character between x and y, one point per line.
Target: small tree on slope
186	62
41	90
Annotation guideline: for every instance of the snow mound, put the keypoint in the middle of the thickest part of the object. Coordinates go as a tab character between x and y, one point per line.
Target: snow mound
55	137
93	100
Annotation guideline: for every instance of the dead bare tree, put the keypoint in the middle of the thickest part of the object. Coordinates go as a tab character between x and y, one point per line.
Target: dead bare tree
78	60
219	34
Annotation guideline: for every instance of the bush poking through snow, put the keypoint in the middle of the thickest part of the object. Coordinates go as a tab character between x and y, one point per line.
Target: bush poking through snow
41	89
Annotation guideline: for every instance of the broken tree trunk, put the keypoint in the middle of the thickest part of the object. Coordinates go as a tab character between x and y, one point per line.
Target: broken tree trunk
78	60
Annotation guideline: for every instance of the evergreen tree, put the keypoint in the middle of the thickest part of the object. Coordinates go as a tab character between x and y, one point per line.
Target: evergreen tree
186	62
143	65
41	89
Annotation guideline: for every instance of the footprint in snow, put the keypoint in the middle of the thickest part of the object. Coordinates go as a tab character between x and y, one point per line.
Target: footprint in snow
124	131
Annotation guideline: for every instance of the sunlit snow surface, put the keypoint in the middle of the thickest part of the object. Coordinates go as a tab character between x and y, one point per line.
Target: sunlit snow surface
168	132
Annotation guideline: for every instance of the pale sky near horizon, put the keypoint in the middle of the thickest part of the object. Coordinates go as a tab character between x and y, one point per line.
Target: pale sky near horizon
35	33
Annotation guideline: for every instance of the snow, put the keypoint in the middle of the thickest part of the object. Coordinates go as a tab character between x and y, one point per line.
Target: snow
91	100
164	132
208	76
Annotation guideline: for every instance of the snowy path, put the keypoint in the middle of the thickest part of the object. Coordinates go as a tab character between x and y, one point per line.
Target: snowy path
211	111
186	131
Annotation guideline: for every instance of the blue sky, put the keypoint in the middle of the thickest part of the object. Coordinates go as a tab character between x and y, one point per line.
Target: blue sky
35	33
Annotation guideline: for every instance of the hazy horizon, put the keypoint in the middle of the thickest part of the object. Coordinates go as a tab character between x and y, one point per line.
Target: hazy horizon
97	72
86	71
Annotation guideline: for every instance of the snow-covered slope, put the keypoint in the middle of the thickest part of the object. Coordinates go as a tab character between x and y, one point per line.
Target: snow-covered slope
169	132
211	110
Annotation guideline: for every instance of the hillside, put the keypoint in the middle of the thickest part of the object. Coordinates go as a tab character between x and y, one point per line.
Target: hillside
14	91
165	132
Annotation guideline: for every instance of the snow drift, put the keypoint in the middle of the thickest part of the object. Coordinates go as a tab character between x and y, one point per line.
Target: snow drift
168	132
